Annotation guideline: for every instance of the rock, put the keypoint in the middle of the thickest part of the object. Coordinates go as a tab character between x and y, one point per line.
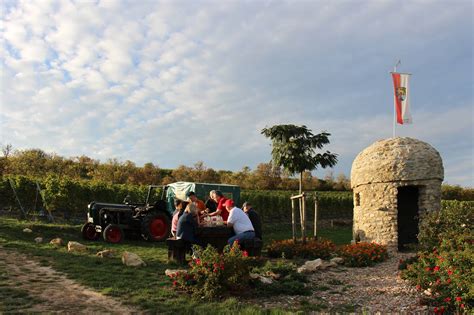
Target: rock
132	260
75	247
39	240
327	264
337	260
254	276
273	275
173	272
27	230
57	242
310	266
107	253
265	280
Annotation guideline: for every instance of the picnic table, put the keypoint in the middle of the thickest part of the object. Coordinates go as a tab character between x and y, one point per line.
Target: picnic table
217	236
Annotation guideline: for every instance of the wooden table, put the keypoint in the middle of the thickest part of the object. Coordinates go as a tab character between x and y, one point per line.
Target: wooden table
217	236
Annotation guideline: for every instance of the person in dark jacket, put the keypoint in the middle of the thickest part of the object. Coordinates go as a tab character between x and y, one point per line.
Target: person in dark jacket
188	224
254	218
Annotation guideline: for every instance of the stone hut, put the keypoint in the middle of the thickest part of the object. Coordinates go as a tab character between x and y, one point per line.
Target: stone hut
394	181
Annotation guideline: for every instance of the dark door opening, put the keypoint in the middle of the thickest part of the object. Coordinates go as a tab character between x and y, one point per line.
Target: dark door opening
407	202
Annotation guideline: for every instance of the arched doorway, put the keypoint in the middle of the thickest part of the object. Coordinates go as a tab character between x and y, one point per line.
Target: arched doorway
407	218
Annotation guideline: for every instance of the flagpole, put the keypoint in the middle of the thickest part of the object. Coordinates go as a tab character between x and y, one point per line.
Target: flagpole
394	110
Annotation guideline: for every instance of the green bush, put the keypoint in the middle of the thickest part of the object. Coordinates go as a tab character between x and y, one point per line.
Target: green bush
287	280
212	274
444	264
455	217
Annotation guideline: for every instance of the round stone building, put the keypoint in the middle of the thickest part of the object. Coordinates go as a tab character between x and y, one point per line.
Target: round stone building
394	181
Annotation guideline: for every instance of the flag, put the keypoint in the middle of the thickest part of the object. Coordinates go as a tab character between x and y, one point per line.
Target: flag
402	97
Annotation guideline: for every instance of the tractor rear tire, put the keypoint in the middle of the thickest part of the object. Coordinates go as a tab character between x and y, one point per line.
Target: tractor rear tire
113	234
89	232
156	227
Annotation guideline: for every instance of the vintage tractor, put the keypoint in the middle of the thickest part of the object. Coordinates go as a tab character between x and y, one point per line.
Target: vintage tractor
152	219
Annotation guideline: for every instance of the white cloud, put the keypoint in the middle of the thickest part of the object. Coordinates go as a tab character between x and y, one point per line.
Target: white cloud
144	81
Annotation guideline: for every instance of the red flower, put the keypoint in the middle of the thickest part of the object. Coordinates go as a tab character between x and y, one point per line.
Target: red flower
427	268
458	299
450	272
461	306
448	281
448	299
436	268
245	253
175	283
418	287
197	261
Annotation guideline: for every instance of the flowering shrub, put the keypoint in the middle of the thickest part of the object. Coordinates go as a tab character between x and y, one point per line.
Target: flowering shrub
211	274
363	254
446	274
312	249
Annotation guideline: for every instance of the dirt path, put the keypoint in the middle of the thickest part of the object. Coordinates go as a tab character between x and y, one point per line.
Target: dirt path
53	290
377	289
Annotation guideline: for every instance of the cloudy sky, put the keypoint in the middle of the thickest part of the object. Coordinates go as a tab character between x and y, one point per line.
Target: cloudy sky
176	82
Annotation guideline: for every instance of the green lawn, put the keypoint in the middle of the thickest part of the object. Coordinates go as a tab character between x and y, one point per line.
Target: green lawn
147	288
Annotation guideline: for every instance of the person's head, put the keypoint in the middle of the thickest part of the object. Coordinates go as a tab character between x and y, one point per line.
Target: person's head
178	204
212	194
229	204
219	195
246	206
192	196
191	208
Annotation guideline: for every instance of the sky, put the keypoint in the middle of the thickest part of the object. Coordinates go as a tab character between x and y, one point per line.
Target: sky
176	82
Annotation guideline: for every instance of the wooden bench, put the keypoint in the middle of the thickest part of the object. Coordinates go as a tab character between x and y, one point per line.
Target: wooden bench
252	246
177	250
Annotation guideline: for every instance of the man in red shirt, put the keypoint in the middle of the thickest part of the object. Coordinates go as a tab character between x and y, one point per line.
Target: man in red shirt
221	209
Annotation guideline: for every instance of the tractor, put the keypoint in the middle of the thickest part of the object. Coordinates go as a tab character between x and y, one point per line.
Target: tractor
151	219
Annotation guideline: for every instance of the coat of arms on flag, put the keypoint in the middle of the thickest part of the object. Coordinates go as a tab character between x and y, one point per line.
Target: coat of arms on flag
401	97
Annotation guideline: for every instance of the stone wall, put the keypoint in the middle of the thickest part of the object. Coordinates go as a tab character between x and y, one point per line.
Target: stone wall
375	209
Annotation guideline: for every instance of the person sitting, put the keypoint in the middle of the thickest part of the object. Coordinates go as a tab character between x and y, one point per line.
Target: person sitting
254	218
211	204
187	225
240	222
201	207
221	208
179	205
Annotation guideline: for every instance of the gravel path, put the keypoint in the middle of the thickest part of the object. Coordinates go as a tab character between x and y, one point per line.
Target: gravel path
373	290
54	292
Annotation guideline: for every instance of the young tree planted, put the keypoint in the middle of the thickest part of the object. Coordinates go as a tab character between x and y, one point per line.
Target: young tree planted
294	149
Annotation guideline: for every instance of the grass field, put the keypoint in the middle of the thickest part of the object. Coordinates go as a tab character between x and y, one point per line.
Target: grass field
145	288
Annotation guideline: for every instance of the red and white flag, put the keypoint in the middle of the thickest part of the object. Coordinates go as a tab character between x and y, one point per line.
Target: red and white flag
402	97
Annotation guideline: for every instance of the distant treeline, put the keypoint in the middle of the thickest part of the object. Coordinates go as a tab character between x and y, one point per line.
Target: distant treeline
39	164
36	163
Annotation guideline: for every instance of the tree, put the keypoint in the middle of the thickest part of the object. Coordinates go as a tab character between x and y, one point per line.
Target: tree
293	148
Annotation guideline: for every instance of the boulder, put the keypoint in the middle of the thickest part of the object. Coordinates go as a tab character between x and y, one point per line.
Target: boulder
107	253
337	260
75	247
327	264
27	230
57	241
310	266
39	240
132	260
254	276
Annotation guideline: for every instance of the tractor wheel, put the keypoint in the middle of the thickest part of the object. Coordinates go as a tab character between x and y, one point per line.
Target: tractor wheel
113	233
89	233
156	227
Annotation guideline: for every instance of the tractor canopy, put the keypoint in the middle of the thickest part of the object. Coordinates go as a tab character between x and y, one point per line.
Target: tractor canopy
181	189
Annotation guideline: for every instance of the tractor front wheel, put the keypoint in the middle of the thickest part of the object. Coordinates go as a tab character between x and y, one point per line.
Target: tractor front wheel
156	227
89	232
113	234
